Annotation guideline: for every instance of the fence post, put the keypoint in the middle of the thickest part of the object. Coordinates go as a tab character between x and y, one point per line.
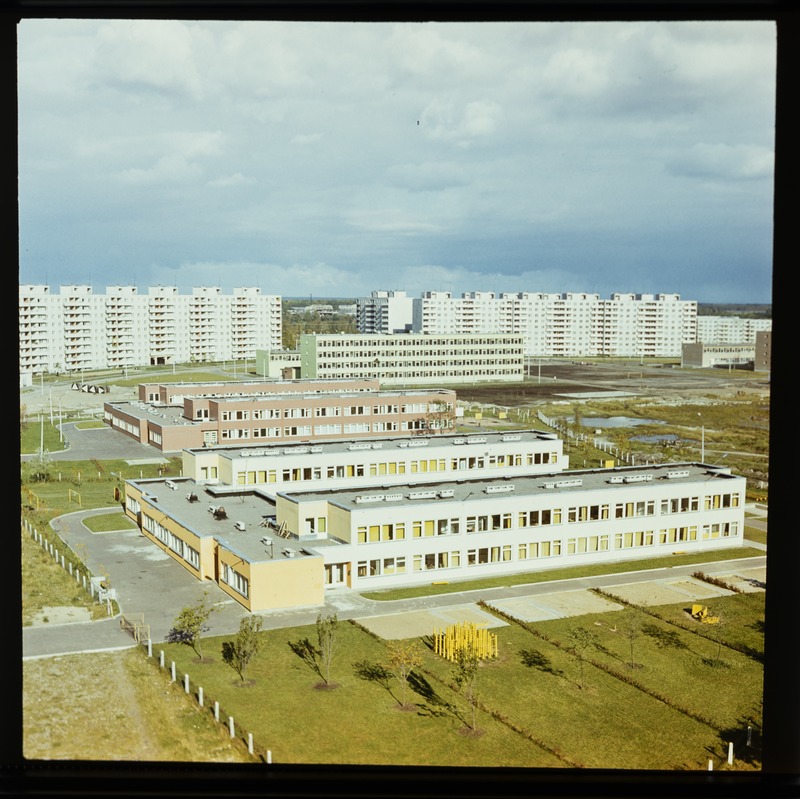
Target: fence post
186	683
161	659
230	725
173	671
250	742
216	711
269	756
200	696
710	765
730	753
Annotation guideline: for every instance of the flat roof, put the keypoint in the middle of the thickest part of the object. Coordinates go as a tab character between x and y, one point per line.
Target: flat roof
254	543
490	489
464	442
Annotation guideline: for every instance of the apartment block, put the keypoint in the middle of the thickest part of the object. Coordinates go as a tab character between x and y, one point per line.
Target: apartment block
78	330
385	312
565	325
413	359
730	329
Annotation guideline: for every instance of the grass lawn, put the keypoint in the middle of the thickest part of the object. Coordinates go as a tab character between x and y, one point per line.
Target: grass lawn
528	578
32	438
678	707
107	522
46	585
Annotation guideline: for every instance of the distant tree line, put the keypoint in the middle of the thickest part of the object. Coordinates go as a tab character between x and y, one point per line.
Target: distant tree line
744	310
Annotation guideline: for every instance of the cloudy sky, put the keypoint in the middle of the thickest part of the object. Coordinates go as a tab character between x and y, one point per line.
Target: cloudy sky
332	159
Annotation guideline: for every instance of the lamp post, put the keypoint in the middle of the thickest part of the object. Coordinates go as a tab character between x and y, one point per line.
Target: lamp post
702	442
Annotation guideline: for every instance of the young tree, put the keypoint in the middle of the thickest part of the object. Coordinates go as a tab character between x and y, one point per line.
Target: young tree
327	629
580	639
466	678
247	644
404	657
191	624
631	626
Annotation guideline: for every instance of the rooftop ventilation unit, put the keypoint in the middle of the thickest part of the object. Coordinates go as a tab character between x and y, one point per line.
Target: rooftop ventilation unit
423	443
458	440
448	492
393	497
422	495
170	484
315	449
638	478
674	475
359	446
616	479
476	440
511	438
402	444
377	445
369	498
568	483
501	489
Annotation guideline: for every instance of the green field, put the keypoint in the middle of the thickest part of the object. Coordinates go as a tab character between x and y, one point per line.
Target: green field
686	696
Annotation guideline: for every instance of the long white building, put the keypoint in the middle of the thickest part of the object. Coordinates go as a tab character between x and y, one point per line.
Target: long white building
77	329
730	329
551	325
289	552
412	359
565	325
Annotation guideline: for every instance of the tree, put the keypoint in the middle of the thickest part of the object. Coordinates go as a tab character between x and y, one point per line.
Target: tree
327	629
247	644
631	626
580	639
403	659
466	678
191	624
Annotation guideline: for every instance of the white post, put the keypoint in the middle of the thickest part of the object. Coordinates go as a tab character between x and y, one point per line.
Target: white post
710	765
250	742
149	648
161	658
269	756
186	683
230	725
749	735
730	753
173	671
200	696
216	711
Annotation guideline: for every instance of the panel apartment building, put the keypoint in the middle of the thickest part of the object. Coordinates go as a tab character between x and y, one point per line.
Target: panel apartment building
412	359
551	325
77	329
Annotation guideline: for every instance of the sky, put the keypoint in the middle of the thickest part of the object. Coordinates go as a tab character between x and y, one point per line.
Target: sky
333	159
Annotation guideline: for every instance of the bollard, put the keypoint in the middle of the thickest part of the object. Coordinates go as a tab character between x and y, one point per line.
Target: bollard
269	755
230	725
161	659
730	753
216	711
70	569
710	765
200	696
250	742
173	671
186	683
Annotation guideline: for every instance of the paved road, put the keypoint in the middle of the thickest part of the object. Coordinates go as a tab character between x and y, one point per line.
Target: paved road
151	583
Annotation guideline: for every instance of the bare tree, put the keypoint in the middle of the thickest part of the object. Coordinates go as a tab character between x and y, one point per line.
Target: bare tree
466	678
580	639
327	629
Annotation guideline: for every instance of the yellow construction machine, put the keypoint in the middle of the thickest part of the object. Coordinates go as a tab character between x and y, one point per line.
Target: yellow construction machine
700	612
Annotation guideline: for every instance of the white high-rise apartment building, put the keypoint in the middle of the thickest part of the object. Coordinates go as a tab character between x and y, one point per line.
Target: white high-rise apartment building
77	329
384	312
730	329
566	325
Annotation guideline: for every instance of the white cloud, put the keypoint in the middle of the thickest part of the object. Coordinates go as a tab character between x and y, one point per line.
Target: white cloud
237	179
